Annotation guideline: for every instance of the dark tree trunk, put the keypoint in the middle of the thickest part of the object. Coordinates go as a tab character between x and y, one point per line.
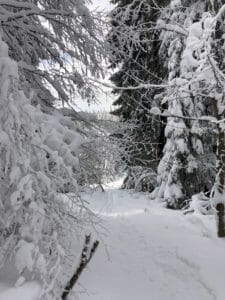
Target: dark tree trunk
86	255
219	193
220	225
220	184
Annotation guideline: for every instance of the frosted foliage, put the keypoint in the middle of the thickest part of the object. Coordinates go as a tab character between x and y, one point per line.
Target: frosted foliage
56	43
173	191
23	256
175	3
188	65
155	111
38	160
133	48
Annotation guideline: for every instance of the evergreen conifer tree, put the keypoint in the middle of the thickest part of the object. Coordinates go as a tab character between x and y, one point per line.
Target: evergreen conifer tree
134	46
185	167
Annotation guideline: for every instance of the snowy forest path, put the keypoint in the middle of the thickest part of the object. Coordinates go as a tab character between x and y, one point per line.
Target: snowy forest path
148	252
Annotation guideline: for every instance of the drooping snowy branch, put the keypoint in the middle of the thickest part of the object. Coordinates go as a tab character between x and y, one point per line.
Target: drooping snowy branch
39	159
57	37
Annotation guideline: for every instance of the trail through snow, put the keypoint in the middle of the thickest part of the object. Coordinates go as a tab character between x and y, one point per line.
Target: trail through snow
148	252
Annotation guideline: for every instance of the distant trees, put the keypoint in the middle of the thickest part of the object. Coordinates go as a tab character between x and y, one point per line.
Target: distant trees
99	155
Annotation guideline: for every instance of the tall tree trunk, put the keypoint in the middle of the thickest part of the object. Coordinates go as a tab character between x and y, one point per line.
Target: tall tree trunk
219	192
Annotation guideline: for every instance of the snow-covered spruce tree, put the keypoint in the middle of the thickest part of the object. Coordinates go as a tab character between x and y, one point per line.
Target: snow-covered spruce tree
185	167
133	46
205	46
212	72
38	162
56	45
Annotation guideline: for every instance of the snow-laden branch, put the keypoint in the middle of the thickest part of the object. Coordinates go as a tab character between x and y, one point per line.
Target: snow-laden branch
34	11
217	72
156	111
56	35
17	4
220	14
173	28
123	88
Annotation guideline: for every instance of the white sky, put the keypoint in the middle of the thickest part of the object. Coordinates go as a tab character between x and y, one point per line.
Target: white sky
101	4
106	98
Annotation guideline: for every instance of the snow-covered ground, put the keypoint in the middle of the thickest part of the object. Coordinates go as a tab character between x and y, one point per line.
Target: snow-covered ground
28	291
146	252
149	252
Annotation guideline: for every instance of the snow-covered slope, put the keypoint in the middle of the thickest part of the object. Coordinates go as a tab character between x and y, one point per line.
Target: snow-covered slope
147	252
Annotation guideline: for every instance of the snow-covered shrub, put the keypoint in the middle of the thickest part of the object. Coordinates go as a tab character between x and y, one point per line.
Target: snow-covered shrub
200	204
38	161
141	179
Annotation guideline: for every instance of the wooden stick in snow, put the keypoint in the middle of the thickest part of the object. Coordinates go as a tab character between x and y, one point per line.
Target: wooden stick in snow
86	256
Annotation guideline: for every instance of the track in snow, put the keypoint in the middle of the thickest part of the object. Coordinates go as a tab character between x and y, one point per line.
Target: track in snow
151	253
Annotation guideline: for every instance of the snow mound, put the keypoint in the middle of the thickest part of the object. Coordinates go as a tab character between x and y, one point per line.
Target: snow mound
28	291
